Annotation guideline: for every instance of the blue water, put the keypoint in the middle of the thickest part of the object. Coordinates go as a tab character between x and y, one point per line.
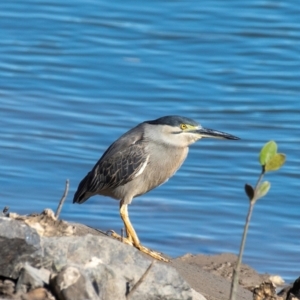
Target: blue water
75	75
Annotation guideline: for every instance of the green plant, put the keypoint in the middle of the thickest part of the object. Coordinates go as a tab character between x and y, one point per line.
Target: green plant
270	160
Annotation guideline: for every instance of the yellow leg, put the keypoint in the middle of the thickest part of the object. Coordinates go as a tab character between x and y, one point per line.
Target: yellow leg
132	238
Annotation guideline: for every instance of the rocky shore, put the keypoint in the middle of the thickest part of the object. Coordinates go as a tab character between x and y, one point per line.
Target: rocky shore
45	258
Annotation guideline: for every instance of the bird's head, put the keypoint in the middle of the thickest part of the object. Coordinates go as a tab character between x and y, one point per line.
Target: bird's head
181	131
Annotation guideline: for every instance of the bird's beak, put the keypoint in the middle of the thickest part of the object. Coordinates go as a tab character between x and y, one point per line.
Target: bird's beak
210	133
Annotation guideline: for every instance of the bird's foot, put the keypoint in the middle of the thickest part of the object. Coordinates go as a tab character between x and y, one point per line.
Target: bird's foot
120	238
152	253
143	249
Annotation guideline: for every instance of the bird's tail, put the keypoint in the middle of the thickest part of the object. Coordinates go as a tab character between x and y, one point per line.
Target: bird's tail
83	191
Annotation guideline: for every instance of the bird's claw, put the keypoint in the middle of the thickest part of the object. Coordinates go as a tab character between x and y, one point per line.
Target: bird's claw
143	249
152	253
110	232
120	238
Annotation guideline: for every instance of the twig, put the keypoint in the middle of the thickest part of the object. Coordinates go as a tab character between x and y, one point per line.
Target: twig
236	270
62	200
140	280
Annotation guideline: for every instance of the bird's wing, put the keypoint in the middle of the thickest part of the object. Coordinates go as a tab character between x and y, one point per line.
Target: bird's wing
117	167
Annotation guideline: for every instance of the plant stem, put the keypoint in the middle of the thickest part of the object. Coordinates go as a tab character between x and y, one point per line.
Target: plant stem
236	271
257	185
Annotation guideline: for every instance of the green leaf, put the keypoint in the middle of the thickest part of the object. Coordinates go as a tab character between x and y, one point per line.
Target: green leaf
267	152
263	189
249	191
275	162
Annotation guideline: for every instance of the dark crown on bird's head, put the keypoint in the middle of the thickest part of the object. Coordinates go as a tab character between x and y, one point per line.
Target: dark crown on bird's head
172	121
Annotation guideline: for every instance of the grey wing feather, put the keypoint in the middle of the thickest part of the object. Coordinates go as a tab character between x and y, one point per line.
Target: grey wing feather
120	167
115	168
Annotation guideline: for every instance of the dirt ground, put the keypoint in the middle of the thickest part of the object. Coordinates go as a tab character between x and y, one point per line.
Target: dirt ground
210	275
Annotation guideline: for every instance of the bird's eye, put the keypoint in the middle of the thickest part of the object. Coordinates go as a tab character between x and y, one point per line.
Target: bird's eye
183	126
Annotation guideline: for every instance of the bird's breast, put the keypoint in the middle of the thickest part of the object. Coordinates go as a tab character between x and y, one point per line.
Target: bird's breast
163	165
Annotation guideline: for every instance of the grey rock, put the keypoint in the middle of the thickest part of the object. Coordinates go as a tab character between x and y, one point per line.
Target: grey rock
31	278
115	268
71	283
17	243
197	296
98	266
172	287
